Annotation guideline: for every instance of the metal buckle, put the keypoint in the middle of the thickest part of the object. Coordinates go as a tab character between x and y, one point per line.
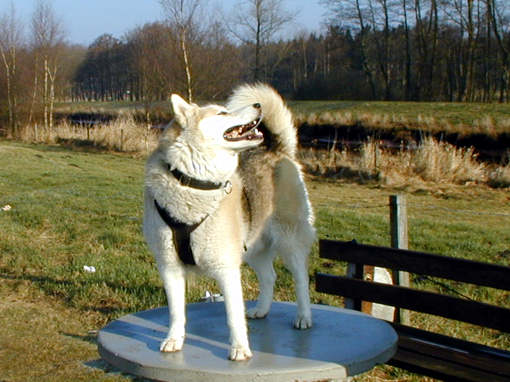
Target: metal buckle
228	187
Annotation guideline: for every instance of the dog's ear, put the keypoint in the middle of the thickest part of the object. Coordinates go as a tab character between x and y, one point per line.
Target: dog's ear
181	108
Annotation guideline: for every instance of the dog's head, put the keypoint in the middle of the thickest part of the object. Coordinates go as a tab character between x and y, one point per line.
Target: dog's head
215	126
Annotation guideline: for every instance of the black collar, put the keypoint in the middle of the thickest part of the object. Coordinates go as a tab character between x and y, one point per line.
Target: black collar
188	181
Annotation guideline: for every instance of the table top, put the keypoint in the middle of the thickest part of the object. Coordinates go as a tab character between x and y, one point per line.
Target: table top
341	343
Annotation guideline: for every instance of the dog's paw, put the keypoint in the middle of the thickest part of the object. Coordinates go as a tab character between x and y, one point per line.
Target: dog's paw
170	345
239	353
303	322
256	313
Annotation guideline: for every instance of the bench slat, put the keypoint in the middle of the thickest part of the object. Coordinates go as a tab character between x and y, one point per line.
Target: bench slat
468	271
440	346
472	312
440	368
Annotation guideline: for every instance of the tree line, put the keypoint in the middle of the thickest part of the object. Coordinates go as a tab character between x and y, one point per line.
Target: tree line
419	50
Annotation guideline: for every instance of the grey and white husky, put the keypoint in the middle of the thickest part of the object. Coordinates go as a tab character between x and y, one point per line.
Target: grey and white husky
224	187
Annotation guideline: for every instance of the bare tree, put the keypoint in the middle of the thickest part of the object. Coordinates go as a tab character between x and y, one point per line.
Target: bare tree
218	63
380	12
499	26
461	14
10	41
407	66
153	66
355	13
47	39
182	14
426	35
257	22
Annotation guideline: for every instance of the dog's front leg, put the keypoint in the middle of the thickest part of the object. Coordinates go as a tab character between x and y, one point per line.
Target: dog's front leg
230	283
174	281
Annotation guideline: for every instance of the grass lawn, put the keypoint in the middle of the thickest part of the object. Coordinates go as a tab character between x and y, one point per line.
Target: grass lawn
70	209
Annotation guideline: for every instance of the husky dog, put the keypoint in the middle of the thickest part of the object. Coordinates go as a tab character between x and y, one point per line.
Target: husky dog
224	187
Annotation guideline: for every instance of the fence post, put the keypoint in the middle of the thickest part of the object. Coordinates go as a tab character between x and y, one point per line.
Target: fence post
354	271
399	239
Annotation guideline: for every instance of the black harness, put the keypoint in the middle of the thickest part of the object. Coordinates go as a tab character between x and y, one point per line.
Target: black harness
181	231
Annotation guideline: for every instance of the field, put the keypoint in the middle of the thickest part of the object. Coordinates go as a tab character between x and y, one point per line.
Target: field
450	112
70	209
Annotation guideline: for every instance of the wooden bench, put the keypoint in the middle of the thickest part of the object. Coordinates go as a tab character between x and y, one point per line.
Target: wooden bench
421	351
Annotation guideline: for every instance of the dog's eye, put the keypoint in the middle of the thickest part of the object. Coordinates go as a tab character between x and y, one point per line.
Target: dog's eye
222	113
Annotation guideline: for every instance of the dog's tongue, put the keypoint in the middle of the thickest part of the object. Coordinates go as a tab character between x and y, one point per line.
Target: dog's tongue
248	131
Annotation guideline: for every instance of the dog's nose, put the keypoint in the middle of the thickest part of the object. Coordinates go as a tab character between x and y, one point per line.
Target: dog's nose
256	105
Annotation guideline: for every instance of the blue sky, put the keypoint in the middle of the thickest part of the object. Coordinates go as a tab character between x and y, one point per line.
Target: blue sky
85	20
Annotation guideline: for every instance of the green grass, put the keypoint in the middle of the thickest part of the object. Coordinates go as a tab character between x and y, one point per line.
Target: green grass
452	112
71	209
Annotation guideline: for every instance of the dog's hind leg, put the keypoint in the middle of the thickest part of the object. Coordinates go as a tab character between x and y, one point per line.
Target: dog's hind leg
174	281
262	264
295	259
229	281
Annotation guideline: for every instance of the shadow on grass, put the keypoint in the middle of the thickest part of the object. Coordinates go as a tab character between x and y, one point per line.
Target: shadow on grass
343	172
86	145
102	365
91	338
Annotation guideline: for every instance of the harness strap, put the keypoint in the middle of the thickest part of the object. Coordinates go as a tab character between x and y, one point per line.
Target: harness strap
181	234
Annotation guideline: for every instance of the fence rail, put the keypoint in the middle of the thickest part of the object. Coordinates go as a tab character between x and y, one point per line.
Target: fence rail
463	270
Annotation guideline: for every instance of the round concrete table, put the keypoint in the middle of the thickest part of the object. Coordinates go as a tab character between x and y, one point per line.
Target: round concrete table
341	343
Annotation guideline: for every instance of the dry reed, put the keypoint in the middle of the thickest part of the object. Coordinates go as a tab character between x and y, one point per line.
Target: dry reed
121	134
433	161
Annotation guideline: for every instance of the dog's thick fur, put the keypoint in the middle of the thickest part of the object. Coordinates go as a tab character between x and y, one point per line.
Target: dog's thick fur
261	211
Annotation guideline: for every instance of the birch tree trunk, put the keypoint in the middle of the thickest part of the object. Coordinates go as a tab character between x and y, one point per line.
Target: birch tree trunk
45	95
51	102
187	64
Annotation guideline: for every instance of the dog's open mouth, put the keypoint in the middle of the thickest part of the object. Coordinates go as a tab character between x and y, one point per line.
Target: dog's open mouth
248	132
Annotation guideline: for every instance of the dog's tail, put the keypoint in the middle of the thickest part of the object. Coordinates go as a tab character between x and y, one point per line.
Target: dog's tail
279	131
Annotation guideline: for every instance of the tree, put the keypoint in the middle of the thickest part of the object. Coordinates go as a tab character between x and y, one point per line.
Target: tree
218	63
256	23
182	14
427	32
47	41
154	67
380	18
10	41
101	73
353	14
461	14
498	23
407	65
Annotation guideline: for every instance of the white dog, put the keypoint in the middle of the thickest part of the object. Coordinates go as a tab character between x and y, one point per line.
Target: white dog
223	187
